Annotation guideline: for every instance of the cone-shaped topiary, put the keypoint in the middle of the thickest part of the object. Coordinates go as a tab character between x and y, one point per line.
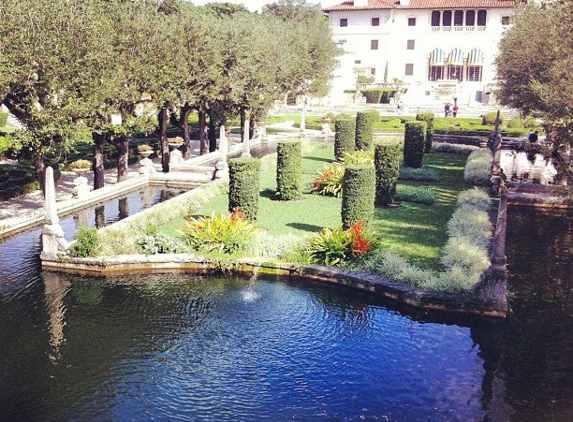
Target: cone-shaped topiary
387	164
429	119
344	138
289	170
365	121
244	186
358	192
414	139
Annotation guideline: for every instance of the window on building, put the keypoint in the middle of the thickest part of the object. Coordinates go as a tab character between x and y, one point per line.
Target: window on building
375	21
411	21
455	72
410	44
373	44
459	18
409	69
470	18
357	61
482	17
435	18
447	18
343	22
505	20
435	73
373	71
473	73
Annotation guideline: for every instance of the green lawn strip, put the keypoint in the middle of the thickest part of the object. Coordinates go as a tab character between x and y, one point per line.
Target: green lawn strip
415	231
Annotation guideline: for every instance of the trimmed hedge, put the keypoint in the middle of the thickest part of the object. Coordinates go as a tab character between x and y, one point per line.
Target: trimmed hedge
414	140
3	118
244	186
378	95
387	164
429	119
365	121
344	137
358	193
289	170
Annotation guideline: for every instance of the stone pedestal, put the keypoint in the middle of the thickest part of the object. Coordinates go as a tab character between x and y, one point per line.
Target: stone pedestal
146	166
175	158
53	240
81	188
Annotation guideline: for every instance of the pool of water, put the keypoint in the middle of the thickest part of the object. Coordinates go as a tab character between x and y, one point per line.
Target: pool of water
180	347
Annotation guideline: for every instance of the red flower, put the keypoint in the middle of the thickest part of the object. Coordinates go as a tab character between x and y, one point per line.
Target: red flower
237	215
360	246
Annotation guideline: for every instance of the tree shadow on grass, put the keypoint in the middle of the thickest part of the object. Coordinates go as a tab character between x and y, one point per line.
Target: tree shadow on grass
326	160
305	227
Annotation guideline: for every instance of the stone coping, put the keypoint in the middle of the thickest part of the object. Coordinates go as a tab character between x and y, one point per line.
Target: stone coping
460	303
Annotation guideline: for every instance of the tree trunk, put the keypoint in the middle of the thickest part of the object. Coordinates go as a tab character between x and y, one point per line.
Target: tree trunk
184	125
243	114
40	166
212	134
163	118
97	163
122	146
204	145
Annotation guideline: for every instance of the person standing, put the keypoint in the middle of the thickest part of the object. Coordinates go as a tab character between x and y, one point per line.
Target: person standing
455	110
447	110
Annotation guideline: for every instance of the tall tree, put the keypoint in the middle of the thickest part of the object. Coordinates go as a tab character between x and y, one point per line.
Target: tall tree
535	62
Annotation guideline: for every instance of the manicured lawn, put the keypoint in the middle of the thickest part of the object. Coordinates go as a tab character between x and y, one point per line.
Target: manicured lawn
414	231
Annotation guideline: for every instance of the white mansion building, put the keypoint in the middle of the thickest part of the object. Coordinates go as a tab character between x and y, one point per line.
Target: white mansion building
439	49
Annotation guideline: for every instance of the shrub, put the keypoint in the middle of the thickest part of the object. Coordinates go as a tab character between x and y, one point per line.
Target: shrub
429	119
515	123
471	224
470	258
154	242
418	195
372	95
414	138
365	121
476	198
387	164
328	181
87	243
338	247
289	170
344	138
244	186
268	246
489	118
478	167
221	233
453	148
421	174
358	192
3	118
359	158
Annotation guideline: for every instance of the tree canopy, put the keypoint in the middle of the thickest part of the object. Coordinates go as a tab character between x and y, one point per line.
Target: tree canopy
68	65
535	62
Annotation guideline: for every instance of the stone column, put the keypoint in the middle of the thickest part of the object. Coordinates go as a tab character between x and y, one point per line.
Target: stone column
246	140
221	168
53	241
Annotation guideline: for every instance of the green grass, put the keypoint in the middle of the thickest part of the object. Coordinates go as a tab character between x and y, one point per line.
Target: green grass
416	232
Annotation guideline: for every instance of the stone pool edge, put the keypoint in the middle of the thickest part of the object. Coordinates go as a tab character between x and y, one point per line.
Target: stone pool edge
460	303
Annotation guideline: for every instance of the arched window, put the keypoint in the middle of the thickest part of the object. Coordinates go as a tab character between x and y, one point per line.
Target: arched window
474	67
436	65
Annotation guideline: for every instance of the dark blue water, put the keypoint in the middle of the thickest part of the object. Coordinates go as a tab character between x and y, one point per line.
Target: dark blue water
178	347
169	347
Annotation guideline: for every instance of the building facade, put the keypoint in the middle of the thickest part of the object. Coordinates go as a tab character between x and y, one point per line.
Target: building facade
436	48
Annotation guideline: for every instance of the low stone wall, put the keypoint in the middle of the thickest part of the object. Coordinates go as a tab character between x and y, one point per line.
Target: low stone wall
462	303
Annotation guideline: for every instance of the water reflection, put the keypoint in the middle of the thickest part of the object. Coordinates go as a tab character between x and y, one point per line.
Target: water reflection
537	356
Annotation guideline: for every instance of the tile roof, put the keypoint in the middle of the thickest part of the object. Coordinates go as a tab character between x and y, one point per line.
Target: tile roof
425	4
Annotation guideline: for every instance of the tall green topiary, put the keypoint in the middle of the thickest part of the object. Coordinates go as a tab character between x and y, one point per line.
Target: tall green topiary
358	192
365	121
344	138
429	119
414	139
244	186
289	170
387	165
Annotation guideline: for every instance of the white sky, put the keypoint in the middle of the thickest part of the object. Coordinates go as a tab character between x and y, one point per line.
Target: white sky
256	5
